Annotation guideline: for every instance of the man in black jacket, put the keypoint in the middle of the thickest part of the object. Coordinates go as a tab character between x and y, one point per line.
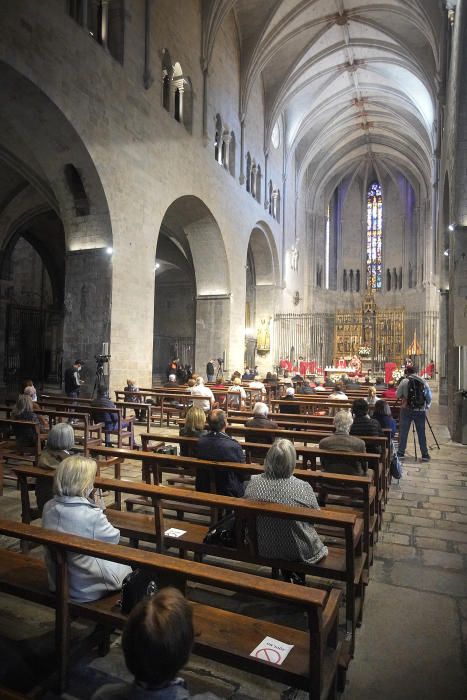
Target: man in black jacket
217	446
364	425
72	380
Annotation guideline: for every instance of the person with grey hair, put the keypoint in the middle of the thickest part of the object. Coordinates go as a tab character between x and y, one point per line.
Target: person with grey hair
25	434
60	442
260	420
74	511
291	540
341	441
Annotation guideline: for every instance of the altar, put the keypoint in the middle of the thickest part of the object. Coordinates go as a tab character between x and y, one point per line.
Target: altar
334	373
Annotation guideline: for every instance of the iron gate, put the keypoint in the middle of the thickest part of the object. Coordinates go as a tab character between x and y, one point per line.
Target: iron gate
26	353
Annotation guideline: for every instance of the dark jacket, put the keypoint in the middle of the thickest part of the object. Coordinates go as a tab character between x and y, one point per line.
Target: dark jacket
109	418
386	422
263	424
210	369
306	390
219	447
369	427
291	408
25	434
71	385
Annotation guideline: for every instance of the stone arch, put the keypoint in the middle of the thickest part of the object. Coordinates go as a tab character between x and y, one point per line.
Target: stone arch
191	248
262	280
57	189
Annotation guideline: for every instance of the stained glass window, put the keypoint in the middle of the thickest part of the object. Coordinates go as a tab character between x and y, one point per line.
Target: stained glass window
374	237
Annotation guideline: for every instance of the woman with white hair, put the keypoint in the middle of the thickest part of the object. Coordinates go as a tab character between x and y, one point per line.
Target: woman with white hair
60	442
73	510
291	540
200	390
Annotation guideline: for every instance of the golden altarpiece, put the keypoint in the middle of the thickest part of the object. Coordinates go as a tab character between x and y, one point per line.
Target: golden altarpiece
382	330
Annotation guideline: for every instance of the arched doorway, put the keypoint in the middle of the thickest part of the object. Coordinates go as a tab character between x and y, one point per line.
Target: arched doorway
192	287
262	275
54	218
31	324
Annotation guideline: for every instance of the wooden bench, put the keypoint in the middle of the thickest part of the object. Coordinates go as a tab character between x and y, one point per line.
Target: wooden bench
345	562
355	494
10	454
220	634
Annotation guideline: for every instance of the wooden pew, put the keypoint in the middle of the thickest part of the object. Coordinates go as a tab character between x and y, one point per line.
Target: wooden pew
9	452
220	634
346	561
122	432
348	493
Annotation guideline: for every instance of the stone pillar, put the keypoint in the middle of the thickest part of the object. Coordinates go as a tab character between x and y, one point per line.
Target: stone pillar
443	347
88	294
212	329
105	23
241	179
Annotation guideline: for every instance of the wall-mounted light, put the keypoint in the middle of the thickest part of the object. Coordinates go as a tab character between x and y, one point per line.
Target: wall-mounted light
451	227
457	227
157	266
446	252
109	250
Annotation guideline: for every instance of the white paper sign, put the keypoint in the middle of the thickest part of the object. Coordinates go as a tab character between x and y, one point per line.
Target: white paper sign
272	650
174	532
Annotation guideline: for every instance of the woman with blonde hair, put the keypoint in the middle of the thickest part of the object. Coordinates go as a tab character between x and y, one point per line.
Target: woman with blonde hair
195	421
236	394
372	397
73	510
25	434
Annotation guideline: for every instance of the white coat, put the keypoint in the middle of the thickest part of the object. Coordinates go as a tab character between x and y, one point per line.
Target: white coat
89	578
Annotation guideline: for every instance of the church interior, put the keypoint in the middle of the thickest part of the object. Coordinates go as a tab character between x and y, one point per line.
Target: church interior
251	202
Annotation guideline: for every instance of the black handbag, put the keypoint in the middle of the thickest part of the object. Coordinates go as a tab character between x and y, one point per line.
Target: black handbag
222	532
137	585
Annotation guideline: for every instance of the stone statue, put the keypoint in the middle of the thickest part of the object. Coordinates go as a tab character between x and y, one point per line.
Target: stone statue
263	341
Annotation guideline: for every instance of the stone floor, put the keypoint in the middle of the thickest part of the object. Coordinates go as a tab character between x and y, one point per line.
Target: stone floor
413	641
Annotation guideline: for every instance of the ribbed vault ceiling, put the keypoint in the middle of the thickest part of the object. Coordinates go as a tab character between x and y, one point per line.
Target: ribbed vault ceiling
353	81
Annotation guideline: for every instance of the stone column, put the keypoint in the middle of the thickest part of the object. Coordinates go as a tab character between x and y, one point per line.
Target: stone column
212	329
443	347
241	179
105	23
88	295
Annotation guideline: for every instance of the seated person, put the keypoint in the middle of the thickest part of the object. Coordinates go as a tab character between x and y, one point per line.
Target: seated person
391	391
338	393
260	420
306	388
285	539
258	384
286	379
202	394
364	425
108	417
134	398
25	435
382	413
195	421
217	446
236	395
320	387
171	382
60	442
341	441
291	407
31	392
372	396
156	642
73	511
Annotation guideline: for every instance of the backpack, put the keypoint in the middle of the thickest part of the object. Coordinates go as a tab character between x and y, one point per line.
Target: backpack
416	393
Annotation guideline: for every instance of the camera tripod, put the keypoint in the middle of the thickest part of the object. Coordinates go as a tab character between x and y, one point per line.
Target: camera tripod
99	380
220	372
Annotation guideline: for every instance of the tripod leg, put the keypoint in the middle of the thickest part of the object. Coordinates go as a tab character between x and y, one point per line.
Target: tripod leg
431	431
414	441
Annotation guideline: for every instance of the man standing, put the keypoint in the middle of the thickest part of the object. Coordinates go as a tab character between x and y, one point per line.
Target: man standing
415	395
217	446
72	380
210	371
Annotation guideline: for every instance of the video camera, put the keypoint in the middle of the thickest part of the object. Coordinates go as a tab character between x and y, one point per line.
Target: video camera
220	360
102	359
